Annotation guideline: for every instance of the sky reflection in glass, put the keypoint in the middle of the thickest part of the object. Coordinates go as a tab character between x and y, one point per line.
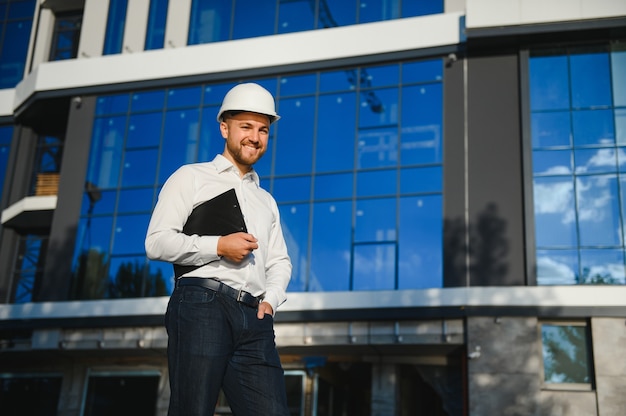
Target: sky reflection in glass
350	209
579	199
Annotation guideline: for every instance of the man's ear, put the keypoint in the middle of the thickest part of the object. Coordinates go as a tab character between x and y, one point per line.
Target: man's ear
224	129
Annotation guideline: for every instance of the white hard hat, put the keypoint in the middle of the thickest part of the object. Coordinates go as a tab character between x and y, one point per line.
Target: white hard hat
249	97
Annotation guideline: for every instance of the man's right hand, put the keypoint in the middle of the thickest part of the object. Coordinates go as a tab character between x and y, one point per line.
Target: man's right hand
236	247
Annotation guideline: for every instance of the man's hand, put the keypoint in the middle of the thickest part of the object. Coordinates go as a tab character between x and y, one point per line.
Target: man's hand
235	247
264	309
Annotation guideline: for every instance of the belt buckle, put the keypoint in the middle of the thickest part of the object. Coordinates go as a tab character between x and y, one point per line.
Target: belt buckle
240	295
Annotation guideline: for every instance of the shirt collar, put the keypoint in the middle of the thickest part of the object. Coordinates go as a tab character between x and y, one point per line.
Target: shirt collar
222	165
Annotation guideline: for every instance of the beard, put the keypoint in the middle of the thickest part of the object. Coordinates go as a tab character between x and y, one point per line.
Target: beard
242	154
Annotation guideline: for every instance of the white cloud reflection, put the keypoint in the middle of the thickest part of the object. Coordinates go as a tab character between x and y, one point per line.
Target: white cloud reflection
551	271
594	193
555	198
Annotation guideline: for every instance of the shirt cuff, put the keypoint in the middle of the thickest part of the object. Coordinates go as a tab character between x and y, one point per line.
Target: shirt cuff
208	248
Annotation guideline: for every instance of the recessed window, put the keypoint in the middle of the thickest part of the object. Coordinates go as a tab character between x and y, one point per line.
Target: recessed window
121	394
66	35
29	394
215	21
16	20
566	356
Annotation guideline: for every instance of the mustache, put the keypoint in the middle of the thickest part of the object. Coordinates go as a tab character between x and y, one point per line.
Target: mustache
251	143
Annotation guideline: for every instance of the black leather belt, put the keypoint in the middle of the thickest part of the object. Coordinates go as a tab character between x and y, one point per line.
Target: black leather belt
239	295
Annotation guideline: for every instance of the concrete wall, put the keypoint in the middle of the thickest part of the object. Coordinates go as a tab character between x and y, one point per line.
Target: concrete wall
505	377
609	349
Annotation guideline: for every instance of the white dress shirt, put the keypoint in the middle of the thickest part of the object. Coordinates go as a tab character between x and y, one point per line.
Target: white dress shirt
265	272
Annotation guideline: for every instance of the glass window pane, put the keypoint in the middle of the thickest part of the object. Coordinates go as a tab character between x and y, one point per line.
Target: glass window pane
593	127
209	21
622	198
374	267
595	160
130	232
97	202
422	124
379	108
620	126
112	104
214	94
21	9
376	183
552	162
184	97
14	49
335	132
95	234
211	140
591	80
375	220
139	167
254	18
420	249
331	247
549	86
338	80
28	267
180	141
377	10
598	210
380	76
116	20
292	189
135	200
557	267
334	186
421	8
91	261
555	212
422	180
377	148
621	159
551	129
337	13
144	130
603	266
422	71
565	355
298	85
618	73
130	277
162	271
106	152
157	18
296	16
6	134
149	100
295	223
295	147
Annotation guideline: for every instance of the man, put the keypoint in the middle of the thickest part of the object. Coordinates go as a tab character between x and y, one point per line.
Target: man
222	232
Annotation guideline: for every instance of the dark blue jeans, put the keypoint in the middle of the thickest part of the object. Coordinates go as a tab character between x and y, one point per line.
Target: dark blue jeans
216	342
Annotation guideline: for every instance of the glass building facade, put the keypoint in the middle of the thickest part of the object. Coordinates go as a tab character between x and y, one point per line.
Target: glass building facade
578	124
355	165
216	21
16	20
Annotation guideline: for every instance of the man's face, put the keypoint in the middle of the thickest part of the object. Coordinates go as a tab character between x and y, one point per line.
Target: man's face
246	137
